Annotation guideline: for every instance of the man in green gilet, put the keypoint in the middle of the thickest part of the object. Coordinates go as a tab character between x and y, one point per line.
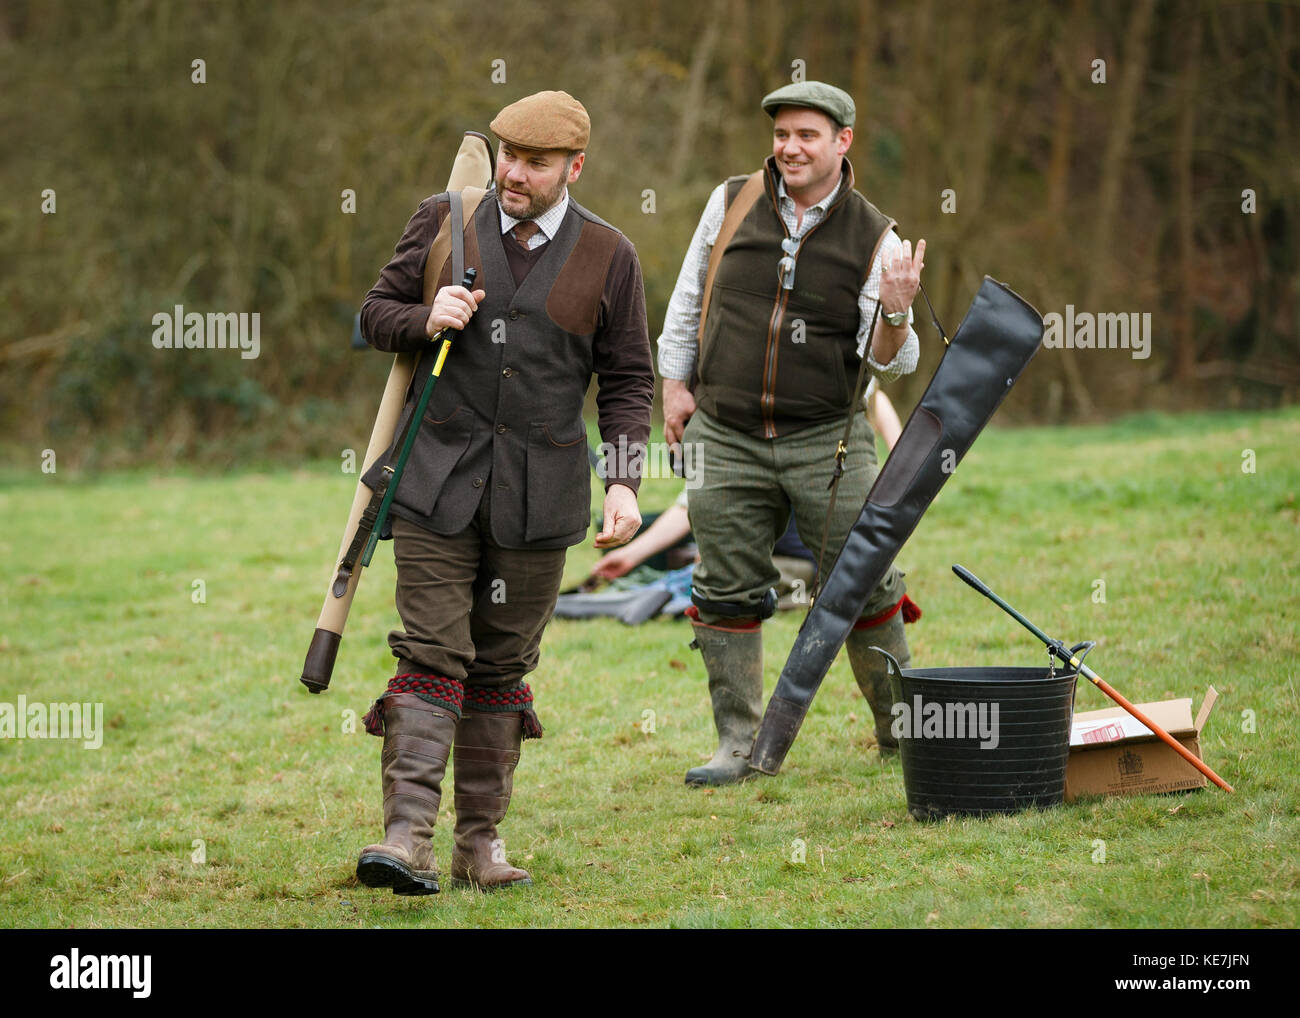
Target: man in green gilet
773	324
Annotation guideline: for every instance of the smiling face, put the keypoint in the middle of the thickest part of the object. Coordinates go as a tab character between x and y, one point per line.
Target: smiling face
530	181
808	146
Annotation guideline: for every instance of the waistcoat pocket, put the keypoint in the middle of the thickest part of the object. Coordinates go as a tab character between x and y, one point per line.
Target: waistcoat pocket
438	448
559	482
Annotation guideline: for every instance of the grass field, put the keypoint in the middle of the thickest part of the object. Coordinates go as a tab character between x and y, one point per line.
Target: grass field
225	795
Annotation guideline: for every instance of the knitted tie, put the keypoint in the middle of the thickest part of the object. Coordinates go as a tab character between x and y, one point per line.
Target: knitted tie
524	230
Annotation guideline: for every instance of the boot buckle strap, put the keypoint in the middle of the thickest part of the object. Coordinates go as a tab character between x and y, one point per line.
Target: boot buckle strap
490	803
413	790
428	749
484	754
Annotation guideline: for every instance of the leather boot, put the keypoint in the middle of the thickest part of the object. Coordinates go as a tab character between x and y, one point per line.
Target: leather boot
484	759
872	672
417	741
734	660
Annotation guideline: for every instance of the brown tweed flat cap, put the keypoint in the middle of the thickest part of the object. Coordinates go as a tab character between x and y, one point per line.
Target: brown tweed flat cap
544	120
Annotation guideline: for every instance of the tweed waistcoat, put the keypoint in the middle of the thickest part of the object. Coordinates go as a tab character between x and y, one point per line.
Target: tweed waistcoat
505	421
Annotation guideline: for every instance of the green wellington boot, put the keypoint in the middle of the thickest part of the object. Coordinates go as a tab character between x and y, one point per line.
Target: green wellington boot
417	742
872	672
734	660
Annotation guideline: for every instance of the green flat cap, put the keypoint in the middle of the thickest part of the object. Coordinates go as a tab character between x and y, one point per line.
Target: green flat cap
834	102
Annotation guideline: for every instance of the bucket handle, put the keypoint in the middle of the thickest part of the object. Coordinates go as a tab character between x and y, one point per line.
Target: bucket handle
894	666
1079	651
894	670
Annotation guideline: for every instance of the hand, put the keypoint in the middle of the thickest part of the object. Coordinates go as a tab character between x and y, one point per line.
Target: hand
622	517
453	306
679	405
901	278
617	563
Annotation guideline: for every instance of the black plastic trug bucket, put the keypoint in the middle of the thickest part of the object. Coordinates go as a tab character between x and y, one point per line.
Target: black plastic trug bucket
982	740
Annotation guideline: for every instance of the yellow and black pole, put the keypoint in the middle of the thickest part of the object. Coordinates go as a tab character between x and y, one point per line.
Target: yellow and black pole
1061	651
394	472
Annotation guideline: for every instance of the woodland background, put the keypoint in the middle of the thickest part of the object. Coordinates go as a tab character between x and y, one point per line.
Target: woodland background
1120	196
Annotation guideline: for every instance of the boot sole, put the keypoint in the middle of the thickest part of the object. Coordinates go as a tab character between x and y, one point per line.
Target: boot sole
381	871
709	781
472	885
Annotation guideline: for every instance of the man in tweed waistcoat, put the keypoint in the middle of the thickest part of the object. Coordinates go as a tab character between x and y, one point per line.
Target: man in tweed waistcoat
498	485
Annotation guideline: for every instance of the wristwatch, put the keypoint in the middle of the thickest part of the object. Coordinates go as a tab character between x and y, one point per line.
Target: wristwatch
896	318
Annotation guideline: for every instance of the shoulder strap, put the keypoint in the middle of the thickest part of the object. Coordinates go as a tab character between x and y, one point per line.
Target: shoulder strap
859	390
450	241
841	451
457	218
855	404
737	210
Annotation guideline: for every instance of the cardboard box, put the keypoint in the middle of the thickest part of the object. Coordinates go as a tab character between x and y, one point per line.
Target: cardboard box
1112	753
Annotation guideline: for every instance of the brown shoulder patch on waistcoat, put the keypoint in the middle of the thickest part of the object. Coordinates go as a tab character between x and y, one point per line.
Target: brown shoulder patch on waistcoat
574	301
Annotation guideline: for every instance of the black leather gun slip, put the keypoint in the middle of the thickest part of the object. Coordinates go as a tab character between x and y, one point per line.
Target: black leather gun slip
990	350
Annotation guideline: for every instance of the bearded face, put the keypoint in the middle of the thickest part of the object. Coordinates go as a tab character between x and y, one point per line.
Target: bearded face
530	181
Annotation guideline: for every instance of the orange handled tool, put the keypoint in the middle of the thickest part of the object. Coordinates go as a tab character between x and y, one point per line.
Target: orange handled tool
1064	653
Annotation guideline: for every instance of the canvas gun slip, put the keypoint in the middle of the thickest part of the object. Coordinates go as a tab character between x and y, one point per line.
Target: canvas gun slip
375	515
990	349
471	172
1059	649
